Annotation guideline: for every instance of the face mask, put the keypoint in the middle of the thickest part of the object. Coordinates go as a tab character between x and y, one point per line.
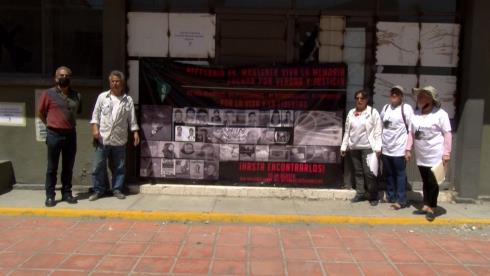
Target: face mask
63	82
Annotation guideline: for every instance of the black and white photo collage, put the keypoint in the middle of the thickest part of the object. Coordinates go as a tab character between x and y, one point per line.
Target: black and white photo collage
189	160
189	143
193	116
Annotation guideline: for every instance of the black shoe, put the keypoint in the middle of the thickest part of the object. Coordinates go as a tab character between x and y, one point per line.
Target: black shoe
357	198
94	196
430	216
118	194
419	212
69	198
373	202
50	202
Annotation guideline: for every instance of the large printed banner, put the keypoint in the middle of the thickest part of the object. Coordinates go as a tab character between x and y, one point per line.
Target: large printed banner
277	125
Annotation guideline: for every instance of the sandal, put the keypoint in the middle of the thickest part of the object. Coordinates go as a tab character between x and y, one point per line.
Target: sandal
396	206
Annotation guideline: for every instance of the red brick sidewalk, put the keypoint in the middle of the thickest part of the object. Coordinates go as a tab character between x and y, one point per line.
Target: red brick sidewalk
49	246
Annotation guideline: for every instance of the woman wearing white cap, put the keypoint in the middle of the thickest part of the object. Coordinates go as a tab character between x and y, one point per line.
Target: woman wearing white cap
362	138
396	117
430	132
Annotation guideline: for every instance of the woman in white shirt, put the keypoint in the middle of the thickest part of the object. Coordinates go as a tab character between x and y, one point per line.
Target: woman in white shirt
396	117
430	132
362	138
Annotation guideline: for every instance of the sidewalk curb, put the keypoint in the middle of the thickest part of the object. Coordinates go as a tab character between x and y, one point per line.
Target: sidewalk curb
267	192
236	218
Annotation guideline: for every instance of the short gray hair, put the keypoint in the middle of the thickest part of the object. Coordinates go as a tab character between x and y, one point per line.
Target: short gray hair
68	70
118	74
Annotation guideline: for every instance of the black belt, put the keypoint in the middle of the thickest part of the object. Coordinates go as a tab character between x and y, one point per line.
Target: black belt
62	130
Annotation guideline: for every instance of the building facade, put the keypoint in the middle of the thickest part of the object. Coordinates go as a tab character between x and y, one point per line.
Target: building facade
381	41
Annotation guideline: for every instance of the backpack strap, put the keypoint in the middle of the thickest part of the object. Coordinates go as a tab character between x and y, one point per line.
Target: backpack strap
403	116
404	119
386	107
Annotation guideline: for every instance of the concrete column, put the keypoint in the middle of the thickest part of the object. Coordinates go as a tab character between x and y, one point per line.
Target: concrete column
468	149
114	58
473	167
114	38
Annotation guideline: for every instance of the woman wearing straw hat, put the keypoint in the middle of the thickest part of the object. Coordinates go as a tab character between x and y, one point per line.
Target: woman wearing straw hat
430	133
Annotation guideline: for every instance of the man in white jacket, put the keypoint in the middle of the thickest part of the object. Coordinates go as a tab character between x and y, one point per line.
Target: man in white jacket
112	117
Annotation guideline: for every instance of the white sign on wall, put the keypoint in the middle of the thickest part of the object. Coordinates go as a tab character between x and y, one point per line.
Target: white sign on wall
179	35
147	34
192	35
12	114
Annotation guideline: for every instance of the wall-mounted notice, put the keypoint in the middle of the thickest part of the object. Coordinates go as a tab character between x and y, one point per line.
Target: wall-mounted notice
192	35
12	114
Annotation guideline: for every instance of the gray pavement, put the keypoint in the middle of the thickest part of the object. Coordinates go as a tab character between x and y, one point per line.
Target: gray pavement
239	205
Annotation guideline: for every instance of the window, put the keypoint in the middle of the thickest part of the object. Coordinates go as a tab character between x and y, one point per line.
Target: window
418	6
257	4
331	5
38	36
77	37
169	5
20	37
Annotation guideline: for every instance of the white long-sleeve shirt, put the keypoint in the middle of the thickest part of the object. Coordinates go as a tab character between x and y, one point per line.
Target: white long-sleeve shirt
114	128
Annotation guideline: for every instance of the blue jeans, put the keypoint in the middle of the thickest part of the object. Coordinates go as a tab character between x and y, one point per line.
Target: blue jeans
396	178
117	157
62	143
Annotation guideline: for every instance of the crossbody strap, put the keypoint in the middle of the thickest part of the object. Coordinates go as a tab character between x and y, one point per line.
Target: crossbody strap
404	119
